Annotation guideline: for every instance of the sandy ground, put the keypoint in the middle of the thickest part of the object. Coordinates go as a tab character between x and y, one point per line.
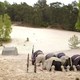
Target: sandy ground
14	68
47	40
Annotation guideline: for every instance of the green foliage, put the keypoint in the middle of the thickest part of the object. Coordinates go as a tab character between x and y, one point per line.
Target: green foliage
74	42
5	27
1	24
77	25
55	15
2	8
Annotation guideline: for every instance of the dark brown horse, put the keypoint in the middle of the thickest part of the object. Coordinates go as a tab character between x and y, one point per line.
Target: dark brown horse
35	54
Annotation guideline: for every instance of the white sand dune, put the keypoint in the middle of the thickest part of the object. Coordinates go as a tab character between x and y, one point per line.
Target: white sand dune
47	40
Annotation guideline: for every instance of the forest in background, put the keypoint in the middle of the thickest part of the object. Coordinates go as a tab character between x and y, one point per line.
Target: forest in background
55	15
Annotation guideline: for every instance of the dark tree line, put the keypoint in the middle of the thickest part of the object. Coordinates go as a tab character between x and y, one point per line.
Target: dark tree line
55	15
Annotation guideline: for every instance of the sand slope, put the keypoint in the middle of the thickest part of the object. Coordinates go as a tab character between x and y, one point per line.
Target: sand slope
48	40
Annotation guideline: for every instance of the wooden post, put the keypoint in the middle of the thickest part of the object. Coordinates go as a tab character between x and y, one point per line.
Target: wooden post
71	62
32	56
27	39
28	63
33	49
35	68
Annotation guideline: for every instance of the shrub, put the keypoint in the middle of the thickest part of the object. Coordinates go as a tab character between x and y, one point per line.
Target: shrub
5	28
74	42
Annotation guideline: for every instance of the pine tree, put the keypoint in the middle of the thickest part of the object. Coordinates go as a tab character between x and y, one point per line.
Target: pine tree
5	27
1	28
